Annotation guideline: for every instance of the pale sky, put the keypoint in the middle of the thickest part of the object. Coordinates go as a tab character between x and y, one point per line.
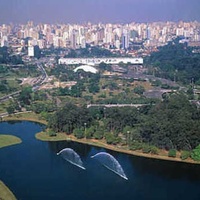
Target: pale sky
79	11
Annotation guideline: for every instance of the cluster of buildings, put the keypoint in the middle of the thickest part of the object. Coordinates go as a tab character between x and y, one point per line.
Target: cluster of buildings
121	37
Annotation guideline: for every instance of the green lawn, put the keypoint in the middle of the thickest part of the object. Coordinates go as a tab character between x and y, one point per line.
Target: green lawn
44	136
3	105
5	193
8	140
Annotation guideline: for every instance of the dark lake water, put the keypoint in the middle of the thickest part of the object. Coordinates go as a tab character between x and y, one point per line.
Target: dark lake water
33	171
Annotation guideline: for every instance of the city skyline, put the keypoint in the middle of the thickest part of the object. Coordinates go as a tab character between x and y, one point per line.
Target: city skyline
113	11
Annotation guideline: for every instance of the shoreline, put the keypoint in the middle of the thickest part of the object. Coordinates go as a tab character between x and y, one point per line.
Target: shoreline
31	116
6	193
99	143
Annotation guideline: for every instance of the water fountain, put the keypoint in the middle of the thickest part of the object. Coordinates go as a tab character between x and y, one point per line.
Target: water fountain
72	157
111	163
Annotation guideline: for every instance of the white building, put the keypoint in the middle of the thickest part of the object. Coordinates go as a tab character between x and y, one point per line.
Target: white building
97	61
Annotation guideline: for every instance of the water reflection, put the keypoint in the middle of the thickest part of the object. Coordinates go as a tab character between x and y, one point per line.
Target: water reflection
167	169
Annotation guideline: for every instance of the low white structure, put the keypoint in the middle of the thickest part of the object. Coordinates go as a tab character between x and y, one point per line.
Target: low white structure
97	61
86	68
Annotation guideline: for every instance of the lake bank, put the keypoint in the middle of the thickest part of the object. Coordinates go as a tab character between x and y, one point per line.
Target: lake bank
163	155
31	116
5	193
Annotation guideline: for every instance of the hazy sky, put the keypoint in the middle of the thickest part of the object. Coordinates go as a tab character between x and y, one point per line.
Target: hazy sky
78	11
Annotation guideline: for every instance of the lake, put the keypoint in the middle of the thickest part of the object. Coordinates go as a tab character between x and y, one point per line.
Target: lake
33	171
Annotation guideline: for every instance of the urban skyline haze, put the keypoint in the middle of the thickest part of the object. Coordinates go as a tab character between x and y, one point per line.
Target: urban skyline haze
113	11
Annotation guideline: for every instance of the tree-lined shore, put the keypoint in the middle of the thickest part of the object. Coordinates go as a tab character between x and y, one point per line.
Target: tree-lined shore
167	130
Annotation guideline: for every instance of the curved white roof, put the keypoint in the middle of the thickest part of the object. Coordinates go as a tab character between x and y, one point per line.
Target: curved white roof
86	68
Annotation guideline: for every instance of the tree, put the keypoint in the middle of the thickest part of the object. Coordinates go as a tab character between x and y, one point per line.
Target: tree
25	95
10	109
68	118
93	88
99	134
79	133
89	132
139	90
176	59
103	66
172	124
110	138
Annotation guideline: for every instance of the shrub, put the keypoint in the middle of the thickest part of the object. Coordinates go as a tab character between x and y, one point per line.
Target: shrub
110	138
146	149
98	134
136	146
195	155
185	155
172	153
154	150
52	133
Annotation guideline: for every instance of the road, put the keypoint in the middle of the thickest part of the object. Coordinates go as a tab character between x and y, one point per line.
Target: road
9	96
43	78
36	84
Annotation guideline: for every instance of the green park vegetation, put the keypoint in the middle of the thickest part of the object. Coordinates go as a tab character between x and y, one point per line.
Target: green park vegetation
171	125
8	140
5	193
167	127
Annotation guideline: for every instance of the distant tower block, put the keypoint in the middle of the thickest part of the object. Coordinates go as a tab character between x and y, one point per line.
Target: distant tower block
125	39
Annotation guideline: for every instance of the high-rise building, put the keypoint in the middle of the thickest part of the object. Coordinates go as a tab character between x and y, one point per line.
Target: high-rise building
73	39
125	39
148	33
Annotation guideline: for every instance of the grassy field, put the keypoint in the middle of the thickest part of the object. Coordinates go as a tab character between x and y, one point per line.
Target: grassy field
5	193
44	136
8	140
3	105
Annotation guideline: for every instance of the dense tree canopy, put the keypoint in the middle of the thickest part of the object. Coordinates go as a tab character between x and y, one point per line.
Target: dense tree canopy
175	61
173	123
6	57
